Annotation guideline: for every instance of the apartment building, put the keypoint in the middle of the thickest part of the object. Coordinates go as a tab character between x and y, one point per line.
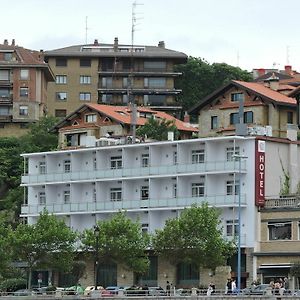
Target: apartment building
255	108
24	77
113	74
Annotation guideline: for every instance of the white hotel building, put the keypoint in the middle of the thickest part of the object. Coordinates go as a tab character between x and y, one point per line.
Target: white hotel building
156	181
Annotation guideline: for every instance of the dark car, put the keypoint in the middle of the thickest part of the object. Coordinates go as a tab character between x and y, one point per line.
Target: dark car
260	289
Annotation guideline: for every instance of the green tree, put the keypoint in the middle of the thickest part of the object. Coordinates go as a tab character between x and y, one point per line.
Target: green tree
120	241
158	129
200	78
49	243
5	247
195	237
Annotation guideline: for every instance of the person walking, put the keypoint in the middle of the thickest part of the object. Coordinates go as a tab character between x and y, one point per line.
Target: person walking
168	288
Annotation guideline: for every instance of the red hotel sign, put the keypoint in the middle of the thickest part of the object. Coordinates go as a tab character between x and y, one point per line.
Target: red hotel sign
259	173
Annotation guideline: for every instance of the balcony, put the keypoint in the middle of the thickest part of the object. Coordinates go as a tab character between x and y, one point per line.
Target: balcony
133	173
139	72
5	118
132	204
139	91
282	202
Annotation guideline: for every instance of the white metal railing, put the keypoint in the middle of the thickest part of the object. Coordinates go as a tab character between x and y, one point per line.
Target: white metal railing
215	200
280	202
172	170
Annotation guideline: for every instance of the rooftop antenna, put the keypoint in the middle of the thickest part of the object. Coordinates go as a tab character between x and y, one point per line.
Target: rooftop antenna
238	59
288	55
130	77
86	29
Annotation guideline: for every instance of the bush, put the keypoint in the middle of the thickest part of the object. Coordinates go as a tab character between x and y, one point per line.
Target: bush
13	284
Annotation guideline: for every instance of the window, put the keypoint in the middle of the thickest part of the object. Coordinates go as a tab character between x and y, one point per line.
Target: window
4	75
4	93
23	110
175	158
90	118
42	167
290	117
42	198
145	227
248	117
145	192
232	227
107	98
94	195
234	118
237	97
155	65
85	62
280	231
116	162
108	64
85	96
60	113
85	79
107	82
197	156
7	56
125	99
24	92
154	99
213	122
61	96
145	160
67	166
61	79
125	82
116	194
155	82
4	111
24	74
230	151
198	189
66	197
232	188
61	62
174	190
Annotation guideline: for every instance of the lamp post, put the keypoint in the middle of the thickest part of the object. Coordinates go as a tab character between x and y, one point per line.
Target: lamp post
239	259
96	233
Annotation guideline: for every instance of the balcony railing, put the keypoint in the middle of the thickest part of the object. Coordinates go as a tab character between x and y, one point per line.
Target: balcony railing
168	203
118	174
283	202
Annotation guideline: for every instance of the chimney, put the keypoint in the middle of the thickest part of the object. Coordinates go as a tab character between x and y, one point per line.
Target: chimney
161	44
261	72
13	43
273	82
96	42
5	42
288	70
186	118
116	44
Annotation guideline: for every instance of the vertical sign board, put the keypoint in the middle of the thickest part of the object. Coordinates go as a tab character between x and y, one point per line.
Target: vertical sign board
260	172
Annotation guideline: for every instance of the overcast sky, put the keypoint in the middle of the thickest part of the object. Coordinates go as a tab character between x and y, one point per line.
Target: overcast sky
245	33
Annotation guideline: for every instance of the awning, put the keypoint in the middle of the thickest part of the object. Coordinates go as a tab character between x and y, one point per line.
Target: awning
275	266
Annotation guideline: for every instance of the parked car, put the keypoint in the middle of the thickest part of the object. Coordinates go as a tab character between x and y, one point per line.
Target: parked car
24	292
114	290
260	289
156	291
91	288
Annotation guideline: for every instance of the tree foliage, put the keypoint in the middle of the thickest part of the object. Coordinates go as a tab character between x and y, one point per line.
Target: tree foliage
120	241
200	78
49	243
158	129
195	237
5	247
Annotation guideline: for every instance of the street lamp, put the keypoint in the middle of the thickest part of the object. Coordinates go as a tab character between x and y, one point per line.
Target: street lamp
239	259
96	233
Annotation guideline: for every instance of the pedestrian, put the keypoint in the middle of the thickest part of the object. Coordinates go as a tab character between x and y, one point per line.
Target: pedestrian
233	286
209	290
228	286
286	285
168	288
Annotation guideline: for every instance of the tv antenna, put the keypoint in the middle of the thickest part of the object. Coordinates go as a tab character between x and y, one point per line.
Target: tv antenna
86	29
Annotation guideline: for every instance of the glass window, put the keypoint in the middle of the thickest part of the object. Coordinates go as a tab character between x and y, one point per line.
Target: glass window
188	272
7	56
234	118
67	166
61	79
125	99
42	198
174	190
155	82
85	62
175	158
230	151
280	231
61	96
214	122
67	197
107	98
24	92
248	117
145	192
42	167
232	227
23	110
4	93
232	187
108	64
237	97
145	160
60	113
198	189
155	65
4	111
197	156
61	62
145	227
107	82
85	96
85	79
290	117
155	99
116	194
125	82
90	118
24	74
4	75
116	162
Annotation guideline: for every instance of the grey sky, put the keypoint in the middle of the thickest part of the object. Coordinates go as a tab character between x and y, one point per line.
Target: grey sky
248	33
